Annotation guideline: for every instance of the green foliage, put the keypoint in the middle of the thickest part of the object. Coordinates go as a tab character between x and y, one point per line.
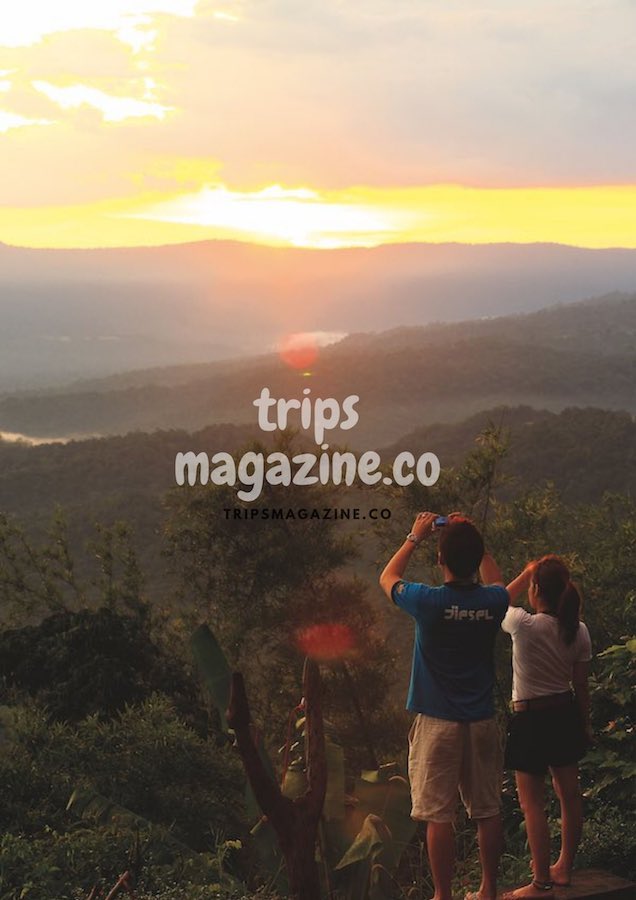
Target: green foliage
212	891
598	541
120	580
66	865
468	487
583	452
40	577
362	835
78	663
609	839
241	573
362	872
610	766
52	863
35	578
109	733
261	583
132	761
214	667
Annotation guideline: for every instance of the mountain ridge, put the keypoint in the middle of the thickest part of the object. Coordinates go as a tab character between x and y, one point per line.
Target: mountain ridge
70	314
575	355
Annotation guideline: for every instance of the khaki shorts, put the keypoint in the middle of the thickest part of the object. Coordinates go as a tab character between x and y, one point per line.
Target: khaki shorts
445	757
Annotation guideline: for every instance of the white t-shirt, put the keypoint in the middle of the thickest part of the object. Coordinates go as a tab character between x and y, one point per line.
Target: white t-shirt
541	662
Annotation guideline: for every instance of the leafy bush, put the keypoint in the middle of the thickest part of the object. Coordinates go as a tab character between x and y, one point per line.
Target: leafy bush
609	769
184	790
79	663
146	760
609	841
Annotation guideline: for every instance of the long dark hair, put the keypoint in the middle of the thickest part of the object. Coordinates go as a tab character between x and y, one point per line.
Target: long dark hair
552	578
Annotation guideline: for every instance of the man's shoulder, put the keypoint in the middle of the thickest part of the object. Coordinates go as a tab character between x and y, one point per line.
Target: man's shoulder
493	597
415	589
494	591
480	593
416	597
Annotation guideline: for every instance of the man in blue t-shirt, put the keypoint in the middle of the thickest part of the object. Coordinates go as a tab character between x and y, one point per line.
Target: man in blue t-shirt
454	742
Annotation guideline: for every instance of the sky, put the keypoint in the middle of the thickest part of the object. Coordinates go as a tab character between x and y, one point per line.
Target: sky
317	123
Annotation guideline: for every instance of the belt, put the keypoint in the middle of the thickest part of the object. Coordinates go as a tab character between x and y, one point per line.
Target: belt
548	702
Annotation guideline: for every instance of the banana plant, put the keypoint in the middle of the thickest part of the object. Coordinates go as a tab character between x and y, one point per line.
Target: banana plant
363	833
217	675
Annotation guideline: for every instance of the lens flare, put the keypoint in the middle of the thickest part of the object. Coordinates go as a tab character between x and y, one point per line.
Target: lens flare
299	351
326	642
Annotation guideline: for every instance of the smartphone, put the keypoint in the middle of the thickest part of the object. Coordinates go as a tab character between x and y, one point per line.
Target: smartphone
440	521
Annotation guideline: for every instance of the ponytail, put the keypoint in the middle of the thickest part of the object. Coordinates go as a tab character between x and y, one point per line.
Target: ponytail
552	579
567	612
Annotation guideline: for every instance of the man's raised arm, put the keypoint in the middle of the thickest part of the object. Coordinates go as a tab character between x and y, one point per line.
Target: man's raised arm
394	569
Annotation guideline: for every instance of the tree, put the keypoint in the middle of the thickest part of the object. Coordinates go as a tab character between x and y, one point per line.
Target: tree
261	583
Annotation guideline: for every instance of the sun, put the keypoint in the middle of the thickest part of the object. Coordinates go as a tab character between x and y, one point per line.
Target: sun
299	217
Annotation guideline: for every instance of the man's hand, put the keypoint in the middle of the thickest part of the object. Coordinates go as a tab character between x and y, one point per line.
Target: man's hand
394	569
423	525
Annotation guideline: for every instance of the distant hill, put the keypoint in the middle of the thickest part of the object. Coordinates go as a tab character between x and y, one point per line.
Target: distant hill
580	354
68	314
584	452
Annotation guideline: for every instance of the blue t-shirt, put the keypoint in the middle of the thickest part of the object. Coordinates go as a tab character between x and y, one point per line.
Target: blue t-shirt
453	671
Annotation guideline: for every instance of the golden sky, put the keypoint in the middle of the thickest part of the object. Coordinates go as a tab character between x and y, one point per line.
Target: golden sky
320	124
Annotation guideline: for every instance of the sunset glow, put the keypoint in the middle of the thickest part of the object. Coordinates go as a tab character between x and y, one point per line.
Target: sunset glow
142	122
360	217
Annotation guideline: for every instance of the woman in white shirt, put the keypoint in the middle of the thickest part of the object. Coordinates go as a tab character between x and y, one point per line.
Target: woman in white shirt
550	727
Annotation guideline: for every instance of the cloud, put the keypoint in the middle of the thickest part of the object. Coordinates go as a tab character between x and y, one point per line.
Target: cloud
80	54
112	108
29	21
9	121
320	93
327	93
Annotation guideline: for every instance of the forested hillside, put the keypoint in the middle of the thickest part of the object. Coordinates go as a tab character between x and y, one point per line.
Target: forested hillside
583	452
577	355
116	760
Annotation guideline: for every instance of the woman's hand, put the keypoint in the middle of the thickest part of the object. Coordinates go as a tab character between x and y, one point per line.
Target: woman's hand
521	583
528	572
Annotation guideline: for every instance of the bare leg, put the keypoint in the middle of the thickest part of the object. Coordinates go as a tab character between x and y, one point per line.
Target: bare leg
531	790
566	784
440	842
490	836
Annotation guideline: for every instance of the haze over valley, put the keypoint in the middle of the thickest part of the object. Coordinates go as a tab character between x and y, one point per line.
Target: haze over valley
75	314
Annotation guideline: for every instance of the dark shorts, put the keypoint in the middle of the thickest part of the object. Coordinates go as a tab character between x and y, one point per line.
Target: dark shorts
545	738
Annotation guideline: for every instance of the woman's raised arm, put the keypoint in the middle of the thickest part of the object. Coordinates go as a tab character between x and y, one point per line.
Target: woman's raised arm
520	584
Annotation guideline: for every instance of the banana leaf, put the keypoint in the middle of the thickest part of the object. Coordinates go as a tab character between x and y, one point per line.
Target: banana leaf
391	801
334	808
214	667
362	871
